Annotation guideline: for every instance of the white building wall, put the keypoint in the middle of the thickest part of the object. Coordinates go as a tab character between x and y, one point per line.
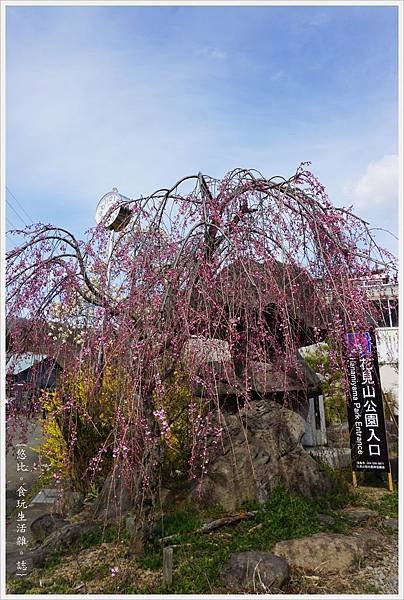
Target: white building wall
387	345
388	352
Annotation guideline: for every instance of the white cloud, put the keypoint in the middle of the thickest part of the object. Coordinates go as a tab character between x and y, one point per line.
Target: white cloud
215	54
378	187
374	196
87	124
280	74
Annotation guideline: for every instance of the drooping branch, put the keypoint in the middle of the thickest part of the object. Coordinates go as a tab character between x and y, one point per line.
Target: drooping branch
221	285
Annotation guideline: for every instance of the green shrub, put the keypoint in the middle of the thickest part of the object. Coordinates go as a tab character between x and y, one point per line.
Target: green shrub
90	419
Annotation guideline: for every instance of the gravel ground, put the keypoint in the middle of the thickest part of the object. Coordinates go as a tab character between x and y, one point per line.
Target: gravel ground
382	572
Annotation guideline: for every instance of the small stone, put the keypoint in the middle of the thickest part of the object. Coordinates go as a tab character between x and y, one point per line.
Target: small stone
255	571
326	519
391	524
354	516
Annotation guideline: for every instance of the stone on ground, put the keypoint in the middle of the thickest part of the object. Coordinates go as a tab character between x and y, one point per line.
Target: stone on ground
60	540
391	524
45	525
255	571
357	515
326	519
322	552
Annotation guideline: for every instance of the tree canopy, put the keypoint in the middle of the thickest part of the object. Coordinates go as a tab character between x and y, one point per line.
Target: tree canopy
257	266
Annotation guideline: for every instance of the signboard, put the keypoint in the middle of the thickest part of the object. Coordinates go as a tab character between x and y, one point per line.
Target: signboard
367	428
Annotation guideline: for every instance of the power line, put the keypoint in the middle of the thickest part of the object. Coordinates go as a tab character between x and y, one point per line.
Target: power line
20	217
20	205
16	213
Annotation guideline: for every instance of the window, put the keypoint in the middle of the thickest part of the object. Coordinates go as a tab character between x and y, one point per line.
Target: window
394	313
317	415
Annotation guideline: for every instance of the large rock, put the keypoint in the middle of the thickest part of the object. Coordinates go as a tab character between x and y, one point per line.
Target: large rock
60	541
261	451
68	535
322	552
46	524
255	571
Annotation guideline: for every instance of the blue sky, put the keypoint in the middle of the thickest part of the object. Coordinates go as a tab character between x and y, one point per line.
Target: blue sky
137	97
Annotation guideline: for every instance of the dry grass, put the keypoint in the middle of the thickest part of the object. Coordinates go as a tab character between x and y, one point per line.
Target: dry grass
91	572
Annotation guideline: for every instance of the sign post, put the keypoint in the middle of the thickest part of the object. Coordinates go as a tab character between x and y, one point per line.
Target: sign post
367	429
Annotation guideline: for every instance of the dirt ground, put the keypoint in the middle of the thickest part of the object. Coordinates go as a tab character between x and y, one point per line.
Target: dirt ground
92	570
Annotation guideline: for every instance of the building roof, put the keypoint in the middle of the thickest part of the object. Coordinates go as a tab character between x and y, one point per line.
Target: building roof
16	364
